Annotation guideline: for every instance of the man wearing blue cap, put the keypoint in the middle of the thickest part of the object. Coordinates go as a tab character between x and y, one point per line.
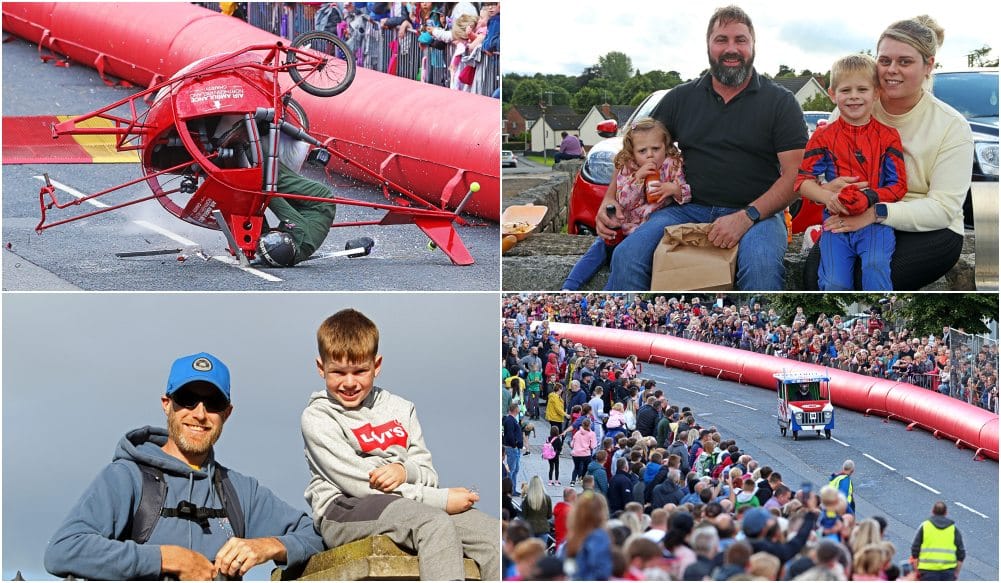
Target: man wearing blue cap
166	507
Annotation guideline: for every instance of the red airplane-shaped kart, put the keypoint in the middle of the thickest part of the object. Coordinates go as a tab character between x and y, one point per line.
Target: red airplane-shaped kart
209	144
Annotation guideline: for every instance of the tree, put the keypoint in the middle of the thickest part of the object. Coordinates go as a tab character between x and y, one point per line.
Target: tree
818	102
536	91
616	67
585	99
661	80
929	313
785	71
813	305
529	92
980	57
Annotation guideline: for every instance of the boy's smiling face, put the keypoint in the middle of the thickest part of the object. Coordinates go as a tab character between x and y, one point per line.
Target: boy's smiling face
349	382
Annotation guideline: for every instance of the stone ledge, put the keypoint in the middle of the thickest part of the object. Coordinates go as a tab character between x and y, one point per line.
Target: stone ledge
543	260
368	559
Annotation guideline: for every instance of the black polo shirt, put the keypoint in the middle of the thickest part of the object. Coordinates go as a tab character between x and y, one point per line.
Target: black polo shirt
731	149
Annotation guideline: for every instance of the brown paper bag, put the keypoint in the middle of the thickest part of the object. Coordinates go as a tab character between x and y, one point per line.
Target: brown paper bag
685	260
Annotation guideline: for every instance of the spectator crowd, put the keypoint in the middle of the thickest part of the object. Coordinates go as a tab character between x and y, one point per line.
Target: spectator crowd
654	494
866	345
451	44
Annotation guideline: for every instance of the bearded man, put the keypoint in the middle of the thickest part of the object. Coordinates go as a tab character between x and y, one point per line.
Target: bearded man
165	507
742	138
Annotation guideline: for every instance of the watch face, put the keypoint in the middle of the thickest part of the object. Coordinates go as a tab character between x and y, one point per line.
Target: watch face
752	213
881	211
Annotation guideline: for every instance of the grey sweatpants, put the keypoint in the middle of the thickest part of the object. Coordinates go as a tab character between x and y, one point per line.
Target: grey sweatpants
440	539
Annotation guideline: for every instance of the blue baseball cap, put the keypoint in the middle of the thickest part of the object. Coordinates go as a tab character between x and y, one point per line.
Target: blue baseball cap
198	367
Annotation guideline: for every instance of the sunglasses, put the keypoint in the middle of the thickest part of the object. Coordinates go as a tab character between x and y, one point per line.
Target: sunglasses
214	403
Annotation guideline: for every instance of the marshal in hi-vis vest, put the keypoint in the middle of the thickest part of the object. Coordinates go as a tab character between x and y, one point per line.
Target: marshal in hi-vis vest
938	547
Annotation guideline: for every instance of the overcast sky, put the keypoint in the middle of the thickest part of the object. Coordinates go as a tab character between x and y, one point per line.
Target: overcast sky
566	37
80	370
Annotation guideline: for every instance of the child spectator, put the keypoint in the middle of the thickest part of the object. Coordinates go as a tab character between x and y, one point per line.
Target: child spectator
647	150
371	471
854	145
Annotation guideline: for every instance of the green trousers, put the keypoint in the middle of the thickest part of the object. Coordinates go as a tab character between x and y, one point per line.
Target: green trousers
308	222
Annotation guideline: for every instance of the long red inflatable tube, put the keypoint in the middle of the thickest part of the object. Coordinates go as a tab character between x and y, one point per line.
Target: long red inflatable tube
430	140
943	416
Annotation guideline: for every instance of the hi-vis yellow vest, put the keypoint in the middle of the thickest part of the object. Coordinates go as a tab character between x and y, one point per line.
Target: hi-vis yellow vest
836	483
938	547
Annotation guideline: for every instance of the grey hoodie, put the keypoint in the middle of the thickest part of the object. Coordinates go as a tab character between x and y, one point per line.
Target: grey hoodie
343	445
88	544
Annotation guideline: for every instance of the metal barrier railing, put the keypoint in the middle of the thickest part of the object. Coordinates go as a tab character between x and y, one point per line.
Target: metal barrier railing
973	361
375	47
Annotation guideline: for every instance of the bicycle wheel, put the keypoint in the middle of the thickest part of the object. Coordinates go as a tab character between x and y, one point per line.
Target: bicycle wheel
296	115
333	75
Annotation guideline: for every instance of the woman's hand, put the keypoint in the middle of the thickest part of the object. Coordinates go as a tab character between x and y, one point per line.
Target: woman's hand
850	224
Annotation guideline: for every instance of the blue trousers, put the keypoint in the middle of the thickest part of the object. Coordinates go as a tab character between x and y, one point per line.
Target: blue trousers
513	464
588	265
873	245
759	258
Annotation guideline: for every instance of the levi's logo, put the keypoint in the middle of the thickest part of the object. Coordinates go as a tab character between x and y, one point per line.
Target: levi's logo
381	436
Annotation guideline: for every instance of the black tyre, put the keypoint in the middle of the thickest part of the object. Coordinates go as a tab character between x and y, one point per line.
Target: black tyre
296	115
330	78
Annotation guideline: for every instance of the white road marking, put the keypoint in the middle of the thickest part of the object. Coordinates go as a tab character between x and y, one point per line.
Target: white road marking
835	439
74	192
892	469
166	233
926	487
739	404
980	514
692	391
233	262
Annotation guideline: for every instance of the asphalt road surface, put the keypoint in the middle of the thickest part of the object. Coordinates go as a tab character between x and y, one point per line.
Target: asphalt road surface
899	474
82	254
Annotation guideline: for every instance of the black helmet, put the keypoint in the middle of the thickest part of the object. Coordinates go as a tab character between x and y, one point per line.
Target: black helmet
277	249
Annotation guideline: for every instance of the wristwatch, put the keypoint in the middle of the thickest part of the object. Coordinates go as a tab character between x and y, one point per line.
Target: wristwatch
752	213
880	209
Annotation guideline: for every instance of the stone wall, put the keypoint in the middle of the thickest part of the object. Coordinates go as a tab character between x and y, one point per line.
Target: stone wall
376	558
550	189
543	260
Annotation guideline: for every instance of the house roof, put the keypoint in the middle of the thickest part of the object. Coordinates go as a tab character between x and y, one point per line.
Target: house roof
794	84
569	121
533	112
619	112
529	112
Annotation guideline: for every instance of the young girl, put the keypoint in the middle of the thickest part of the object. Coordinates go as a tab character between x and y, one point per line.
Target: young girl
647	150
556	440
616	421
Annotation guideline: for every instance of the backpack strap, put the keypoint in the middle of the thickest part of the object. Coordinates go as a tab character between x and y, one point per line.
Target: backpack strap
230	501
154	492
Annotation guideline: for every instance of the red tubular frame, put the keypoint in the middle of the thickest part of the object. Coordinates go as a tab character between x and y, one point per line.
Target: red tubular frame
437	224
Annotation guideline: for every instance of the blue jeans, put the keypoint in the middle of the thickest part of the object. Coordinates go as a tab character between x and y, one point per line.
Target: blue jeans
513	464
873	244
759	258
588	265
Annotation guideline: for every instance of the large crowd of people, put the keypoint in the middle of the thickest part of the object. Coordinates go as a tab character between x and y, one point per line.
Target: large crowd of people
654	494
869	345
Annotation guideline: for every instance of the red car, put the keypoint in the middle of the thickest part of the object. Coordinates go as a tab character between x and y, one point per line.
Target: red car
592	181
